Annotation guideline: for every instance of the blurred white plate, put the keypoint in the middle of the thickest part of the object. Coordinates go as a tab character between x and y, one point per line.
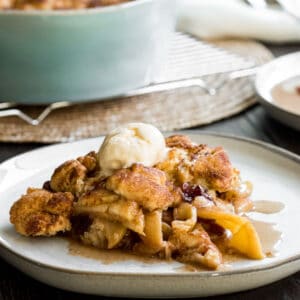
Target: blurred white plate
271	74
274	173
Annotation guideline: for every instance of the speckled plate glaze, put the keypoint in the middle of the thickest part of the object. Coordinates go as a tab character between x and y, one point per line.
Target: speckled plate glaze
274	172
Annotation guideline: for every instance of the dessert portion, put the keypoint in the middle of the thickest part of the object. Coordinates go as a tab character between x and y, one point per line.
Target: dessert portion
169	198
41	212
56	4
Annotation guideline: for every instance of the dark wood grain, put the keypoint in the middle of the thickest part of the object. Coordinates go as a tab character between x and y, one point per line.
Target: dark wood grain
253	123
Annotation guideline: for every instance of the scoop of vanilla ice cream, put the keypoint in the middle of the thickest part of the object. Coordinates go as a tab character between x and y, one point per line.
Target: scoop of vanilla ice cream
129	144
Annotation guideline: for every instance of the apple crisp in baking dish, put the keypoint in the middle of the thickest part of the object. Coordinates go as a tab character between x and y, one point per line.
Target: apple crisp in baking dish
56	4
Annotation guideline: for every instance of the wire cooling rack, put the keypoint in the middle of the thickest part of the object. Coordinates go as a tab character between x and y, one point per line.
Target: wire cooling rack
190	62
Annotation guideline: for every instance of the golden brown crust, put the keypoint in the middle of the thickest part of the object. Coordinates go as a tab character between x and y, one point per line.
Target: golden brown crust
72	175
198	164
41	212
147	186
69	177
55	4
195	247
179	141
89	161
215	169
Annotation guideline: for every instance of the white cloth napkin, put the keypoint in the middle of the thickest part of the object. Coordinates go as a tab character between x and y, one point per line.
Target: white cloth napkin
234	18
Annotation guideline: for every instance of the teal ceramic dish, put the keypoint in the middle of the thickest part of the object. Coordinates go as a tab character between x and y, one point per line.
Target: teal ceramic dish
80	55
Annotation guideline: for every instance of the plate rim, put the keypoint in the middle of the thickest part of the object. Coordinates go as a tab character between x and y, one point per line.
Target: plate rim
265	101
273	148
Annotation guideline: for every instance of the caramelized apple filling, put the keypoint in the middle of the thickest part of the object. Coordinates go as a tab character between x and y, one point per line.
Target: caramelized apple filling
186	207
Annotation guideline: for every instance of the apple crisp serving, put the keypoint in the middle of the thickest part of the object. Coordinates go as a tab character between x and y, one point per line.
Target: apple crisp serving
188	206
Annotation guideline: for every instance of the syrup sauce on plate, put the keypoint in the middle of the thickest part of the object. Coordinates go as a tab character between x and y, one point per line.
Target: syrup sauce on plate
286	94
268	207
268	234
107	256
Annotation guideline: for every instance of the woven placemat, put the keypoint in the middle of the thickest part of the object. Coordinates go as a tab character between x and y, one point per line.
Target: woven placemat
177	109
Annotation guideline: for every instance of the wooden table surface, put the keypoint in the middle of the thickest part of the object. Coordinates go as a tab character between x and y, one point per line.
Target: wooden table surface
253	123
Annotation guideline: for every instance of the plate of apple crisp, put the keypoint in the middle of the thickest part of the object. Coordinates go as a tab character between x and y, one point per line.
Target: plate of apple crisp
137	214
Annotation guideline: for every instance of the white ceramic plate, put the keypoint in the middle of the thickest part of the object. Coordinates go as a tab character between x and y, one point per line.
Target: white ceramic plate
275	174
271	74
291	6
